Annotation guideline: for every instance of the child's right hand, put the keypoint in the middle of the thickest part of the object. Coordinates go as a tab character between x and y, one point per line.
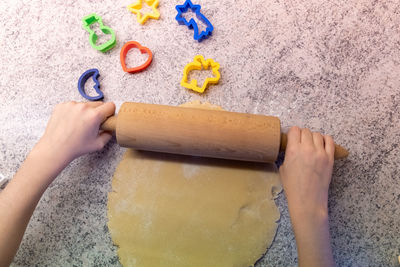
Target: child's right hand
73	129
306	175
307	170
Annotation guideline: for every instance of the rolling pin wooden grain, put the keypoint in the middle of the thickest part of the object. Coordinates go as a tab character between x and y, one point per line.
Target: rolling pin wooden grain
200	132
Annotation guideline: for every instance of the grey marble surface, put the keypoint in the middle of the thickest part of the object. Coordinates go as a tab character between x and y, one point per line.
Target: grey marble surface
332	66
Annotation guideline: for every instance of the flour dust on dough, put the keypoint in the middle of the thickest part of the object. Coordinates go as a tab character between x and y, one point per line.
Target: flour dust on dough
174	210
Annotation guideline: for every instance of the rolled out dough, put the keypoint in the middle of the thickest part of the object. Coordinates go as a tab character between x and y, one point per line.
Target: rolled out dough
172	210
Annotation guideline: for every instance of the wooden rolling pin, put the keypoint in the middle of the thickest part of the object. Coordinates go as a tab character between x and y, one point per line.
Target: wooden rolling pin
200	132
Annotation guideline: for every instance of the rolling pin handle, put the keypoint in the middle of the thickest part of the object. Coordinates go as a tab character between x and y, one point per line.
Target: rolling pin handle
340	152
110	124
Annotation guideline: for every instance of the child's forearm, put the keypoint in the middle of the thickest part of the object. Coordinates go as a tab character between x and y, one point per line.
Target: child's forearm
312	238
19	199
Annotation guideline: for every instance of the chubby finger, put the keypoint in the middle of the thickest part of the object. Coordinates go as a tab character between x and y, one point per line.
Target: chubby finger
102	140
293	136
306	137
318	140
329	147
106	110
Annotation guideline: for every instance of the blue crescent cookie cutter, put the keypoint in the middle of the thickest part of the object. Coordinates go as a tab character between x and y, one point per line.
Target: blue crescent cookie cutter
94	73
192	23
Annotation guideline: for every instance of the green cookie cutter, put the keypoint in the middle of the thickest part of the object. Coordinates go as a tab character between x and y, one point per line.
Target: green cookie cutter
91	19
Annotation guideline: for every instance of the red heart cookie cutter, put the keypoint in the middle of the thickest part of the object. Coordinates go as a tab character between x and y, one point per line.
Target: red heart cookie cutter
124	51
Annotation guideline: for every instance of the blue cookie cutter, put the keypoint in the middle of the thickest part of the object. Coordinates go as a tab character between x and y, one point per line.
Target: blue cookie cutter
192	23
94	73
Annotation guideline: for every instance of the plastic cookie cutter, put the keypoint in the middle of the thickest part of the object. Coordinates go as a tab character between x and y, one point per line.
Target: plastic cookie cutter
94	73
124	51
92	19
198	63
136	9
192	23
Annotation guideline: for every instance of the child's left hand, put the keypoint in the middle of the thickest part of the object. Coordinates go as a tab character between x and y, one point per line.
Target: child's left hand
73	129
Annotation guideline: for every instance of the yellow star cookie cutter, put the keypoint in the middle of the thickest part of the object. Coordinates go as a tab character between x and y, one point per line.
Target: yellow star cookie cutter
198	63
136	7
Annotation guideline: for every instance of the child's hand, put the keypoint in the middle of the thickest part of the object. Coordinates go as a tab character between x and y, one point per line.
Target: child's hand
306	172
306	175
73	129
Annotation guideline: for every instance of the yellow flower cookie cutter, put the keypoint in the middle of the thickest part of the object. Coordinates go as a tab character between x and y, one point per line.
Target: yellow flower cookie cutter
136	7
198	63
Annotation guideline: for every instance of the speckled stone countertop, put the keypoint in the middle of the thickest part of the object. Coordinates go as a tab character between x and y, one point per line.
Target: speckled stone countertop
332	66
